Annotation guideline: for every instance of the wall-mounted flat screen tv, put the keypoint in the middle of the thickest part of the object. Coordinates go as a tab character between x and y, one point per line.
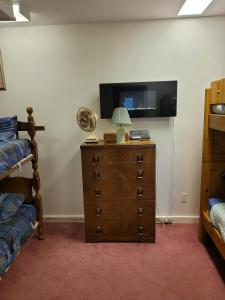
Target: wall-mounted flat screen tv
142	99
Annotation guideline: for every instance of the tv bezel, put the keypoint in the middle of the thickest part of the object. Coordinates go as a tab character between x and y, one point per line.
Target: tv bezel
104	105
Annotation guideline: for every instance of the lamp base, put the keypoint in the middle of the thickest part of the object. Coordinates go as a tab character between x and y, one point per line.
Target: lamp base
120	135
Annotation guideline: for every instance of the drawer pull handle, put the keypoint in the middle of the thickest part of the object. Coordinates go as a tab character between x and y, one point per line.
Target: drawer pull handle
99	230
140	192
98	212
97	175
218	92
140	174
98	192
140	230
95	159
140	158
140	211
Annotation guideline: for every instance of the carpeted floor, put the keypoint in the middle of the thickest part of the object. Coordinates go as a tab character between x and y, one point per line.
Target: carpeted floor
64	267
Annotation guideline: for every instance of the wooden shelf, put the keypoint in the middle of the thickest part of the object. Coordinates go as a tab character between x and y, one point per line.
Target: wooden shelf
17	166
217	122
214	233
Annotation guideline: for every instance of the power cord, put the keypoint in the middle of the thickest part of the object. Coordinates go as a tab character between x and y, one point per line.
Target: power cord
161	221
168	219
173	199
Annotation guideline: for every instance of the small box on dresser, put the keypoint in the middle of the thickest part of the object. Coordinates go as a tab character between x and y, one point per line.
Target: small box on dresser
119	191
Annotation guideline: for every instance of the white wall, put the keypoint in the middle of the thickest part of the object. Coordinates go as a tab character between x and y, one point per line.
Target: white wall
57	69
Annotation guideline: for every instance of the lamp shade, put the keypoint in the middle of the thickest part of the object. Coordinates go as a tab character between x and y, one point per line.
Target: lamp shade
120	117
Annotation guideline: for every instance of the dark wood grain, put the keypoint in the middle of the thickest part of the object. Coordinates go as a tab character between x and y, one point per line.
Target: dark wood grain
119	230
119	191
23	126
137	156
17	185
121	176
132	211
36	177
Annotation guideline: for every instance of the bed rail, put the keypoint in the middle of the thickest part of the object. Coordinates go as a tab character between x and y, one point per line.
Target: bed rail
18	185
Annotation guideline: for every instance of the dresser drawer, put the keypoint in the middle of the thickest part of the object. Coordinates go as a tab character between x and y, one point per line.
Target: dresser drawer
131	211
119	191
119	182
118	156
119	230
118	172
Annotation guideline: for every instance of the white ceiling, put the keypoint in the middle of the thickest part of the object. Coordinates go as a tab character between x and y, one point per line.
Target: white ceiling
46	12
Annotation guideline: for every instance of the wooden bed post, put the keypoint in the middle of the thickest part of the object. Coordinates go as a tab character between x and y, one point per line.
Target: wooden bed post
36	178
205	178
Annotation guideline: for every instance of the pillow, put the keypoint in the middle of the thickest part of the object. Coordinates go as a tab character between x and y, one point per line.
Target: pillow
9	204
8	128
213	201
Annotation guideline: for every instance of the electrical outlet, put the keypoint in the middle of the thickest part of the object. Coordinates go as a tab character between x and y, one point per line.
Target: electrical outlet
184	197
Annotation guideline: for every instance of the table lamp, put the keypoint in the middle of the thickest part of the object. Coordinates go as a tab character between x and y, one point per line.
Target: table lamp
120	118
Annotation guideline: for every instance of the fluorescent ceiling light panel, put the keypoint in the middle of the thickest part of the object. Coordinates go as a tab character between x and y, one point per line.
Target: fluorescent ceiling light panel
21	13
194	7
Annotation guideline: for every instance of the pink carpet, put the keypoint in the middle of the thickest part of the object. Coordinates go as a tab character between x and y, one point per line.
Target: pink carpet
64	267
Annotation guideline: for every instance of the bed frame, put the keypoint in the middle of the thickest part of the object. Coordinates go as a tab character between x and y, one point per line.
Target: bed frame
213	162
27	185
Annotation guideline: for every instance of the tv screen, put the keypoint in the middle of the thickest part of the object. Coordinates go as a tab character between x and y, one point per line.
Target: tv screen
142	99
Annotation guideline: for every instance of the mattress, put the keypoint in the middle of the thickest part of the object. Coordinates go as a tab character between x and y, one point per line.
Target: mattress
12	151
13	234
217	214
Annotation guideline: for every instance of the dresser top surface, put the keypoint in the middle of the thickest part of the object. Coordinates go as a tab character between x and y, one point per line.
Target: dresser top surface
129	144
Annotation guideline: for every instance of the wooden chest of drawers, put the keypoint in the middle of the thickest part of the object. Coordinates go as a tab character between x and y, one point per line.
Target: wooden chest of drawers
119	191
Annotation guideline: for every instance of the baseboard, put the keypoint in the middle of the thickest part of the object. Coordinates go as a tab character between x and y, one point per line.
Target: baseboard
184	219
80	218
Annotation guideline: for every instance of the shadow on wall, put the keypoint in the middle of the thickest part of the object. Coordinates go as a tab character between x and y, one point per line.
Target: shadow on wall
60	176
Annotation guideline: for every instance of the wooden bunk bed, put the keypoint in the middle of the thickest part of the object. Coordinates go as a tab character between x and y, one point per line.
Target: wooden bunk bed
213	162
28	186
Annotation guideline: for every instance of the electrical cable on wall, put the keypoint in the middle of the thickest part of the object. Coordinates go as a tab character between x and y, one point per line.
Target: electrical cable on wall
172	194
161	221
172	199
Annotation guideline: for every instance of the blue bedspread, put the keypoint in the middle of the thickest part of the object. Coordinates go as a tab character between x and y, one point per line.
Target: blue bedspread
14	232
12	151
217	214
